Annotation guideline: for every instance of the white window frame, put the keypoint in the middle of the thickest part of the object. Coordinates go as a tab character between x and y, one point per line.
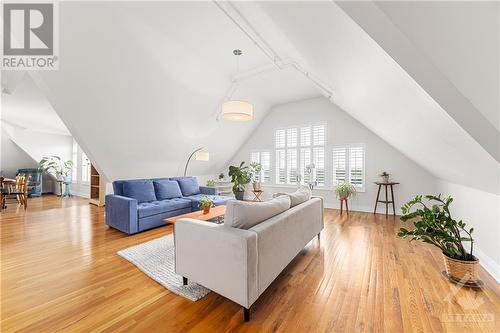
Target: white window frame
298	148
347	148
262	176
82	157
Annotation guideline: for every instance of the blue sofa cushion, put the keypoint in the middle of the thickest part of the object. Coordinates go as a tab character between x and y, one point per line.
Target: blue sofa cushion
189	186
167	189
218	200
141	190
145	209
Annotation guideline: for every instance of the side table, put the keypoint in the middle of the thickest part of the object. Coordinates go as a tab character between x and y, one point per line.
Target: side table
257	195
386	201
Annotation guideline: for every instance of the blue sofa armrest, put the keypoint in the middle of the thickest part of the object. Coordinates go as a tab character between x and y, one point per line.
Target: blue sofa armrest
207	190
121	213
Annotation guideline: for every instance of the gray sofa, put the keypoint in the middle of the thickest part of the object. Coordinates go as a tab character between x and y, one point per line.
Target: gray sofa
241	258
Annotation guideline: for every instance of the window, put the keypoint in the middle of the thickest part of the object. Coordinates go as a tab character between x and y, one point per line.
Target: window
74	158
280	166
264	158
296	148
319	163
85	168
349	165
339	164
291	162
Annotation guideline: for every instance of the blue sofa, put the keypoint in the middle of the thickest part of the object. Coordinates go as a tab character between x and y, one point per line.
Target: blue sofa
142	204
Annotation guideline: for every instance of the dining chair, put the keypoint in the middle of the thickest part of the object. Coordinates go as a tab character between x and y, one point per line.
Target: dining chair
18	190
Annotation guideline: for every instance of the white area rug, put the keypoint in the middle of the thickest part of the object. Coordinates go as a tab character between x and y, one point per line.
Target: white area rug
156	259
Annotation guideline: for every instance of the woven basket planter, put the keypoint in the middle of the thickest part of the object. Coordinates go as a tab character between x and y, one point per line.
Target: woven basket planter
462	271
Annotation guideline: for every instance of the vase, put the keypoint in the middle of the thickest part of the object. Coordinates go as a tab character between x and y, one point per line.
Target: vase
206	209
239	195
462	271
385	179
256	186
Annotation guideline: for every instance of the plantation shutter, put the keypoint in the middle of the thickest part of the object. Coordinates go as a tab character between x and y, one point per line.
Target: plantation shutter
318	135
339	165
305	159
280	166
265	161
279	138
255	157
305	136
291	137
319	162
356	166
291	156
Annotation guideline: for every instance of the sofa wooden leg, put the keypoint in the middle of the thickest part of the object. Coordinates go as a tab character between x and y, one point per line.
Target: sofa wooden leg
184	281
246	314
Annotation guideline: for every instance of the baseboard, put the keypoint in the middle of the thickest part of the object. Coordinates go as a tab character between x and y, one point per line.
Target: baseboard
488	264
357	208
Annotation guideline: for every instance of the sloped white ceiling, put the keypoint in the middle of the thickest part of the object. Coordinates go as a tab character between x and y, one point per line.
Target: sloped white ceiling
139	87
26	106
374	89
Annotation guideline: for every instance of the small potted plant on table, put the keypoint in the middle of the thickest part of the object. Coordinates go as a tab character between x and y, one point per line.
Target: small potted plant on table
240	177
434	225
206	203
255	169
343	192
384	177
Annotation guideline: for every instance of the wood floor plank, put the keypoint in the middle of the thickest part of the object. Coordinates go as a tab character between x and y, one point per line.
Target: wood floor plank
60	273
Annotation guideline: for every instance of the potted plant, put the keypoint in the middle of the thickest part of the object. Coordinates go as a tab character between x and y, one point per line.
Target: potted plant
434	225
55	166
344	191
255	169
206	203
240	177
385	177
211	183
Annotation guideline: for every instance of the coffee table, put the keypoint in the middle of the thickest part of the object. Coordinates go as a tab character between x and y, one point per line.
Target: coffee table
215	213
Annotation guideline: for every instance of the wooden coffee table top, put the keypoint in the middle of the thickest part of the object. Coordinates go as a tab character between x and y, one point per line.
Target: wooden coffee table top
215	212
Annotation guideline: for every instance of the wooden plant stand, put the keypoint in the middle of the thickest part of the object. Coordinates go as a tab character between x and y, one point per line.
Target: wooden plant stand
386	201
346	206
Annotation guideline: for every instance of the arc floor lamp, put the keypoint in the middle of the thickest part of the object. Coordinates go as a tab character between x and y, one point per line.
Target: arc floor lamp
199	155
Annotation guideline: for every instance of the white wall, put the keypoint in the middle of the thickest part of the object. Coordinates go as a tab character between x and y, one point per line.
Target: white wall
480	210
447	32
36	145
341	129
13	157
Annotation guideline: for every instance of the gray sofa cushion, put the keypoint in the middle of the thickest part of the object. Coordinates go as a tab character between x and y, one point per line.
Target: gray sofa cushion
244	215
301	195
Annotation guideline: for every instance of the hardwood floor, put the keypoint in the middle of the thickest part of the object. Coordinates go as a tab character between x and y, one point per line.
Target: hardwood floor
60	272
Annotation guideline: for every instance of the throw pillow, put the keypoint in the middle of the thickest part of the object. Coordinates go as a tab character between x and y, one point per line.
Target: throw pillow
141	190
244	215
189	186
167	189
301	195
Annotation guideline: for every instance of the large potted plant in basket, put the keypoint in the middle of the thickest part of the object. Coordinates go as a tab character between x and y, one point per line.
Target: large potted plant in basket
434	225
240	177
